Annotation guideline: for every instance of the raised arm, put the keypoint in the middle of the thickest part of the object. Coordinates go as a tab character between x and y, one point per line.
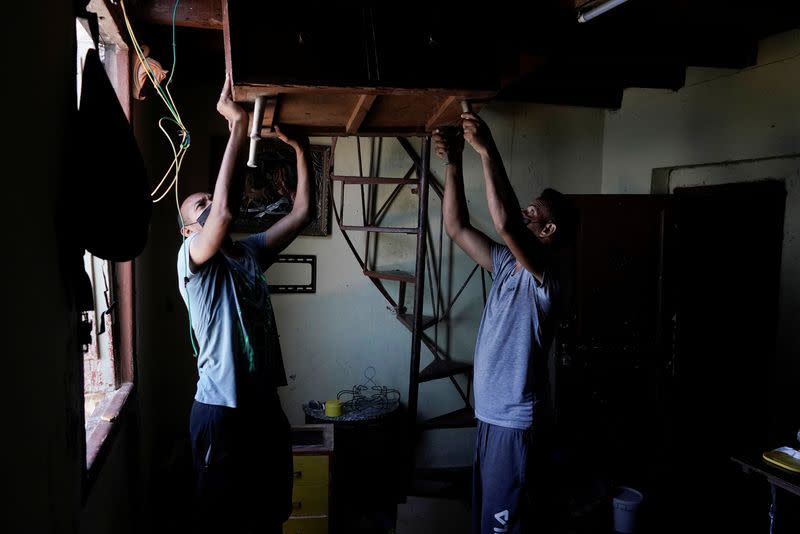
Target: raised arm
503	204
217	224
456	215
288	227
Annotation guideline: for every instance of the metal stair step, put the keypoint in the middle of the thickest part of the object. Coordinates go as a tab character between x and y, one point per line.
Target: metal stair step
443	369
381	229
463	418
408	320
443	482
372	180
398	276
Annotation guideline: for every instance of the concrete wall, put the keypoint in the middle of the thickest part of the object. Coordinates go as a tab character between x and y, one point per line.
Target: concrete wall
723	116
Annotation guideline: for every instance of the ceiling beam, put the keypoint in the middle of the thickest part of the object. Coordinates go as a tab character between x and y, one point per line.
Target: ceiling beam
206	14
446	103
359	113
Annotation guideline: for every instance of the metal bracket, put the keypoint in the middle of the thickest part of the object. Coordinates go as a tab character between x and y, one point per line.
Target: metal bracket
311	287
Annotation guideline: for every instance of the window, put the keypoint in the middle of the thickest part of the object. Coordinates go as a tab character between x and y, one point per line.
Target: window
108	347
99	359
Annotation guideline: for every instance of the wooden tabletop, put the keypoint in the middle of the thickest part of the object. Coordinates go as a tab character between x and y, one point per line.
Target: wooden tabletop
754	463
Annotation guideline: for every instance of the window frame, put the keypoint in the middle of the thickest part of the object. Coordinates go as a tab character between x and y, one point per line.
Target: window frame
116	406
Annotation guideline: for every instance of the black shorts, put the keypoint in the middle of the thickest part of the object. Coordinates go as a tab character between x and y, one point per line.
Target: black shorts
242	460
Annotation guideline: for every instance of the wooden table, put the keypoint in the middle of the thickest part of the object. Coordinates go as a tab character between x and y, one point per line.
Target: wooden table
753	463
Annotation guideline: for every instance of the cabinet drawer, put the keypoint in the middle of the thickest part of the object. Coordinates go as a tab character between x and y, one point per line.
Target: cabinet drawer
302	525
309	500
310	470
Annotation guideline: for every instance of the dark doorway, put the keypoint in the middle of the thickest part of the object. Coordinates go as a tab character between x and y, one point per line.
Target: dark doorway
665	366
613	362
727	271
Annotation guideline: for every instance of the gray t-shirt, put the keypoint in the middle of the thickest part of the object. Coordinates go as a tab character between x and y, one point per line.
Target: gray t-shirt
514	337
239	355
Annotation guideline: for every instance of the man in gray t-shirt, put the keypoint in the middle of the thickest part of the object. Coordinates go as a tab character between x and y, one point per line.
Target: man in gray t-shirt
516	329
240	437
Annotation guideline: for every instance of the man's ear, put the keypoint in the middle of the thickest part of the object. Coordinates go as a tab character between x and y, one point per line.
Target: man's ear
186	231
548	230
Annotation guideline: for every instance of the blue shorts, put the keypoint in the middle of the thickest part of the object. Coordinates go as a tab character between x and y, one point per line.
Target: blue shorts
509	475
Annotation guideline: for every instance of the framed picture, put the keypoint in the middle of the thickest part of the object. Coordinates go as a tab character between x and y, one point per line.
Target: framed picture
268	190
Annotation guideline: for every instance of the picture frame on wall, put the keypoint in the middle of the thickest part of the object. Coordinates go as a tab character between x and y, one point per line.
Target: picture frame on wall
268	190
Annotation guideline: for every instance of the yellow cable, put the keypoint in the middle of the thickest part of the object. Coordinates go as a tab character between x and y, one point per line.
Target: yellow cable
170	103
174	182
178	156
174	161
177	159
153	193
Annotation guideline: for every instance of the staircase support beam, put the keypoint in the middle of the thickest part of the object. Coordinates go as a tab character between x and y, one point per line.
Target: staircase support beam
419	287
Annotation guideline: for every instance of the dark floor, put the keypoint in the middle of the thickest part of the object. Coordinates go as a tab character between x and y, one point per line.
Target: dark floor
442	503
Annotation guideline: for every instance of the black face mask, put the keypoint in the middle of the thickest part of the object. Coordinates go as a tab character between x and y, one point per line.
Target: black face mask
204	215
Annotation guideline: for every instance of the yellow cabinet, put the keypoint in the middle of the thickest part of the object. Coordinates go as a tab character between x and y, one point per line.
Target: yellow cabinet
310	470
312	447
310	500
306	525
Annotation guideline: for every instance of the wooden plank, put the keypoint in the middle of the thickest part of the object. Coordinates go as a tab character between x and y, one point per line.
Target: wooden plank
270	113
206	14
774	475
360	111
402	111
325	111
226	41
116	401
433	121
248	92
125	281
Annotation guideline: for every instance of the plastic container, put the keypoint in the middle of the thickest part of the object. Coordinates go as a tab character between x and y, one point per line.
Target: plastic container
333	408
626	503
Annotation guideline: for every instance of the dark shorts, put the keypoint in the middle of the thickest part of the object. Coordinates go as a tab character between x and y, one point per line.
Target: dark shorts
242	462
509	480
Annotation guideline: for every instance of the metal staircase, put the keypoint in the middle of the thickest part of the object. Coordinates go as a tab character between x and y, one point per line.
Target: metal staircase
428	260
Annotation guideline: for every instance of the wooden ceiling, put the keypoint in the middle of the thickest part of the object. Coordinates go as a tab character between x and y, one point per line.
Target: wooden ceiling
403	70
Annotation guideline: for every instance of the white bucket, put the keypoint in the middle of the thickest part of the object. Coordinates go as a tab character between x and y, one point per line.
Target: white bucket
626	501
